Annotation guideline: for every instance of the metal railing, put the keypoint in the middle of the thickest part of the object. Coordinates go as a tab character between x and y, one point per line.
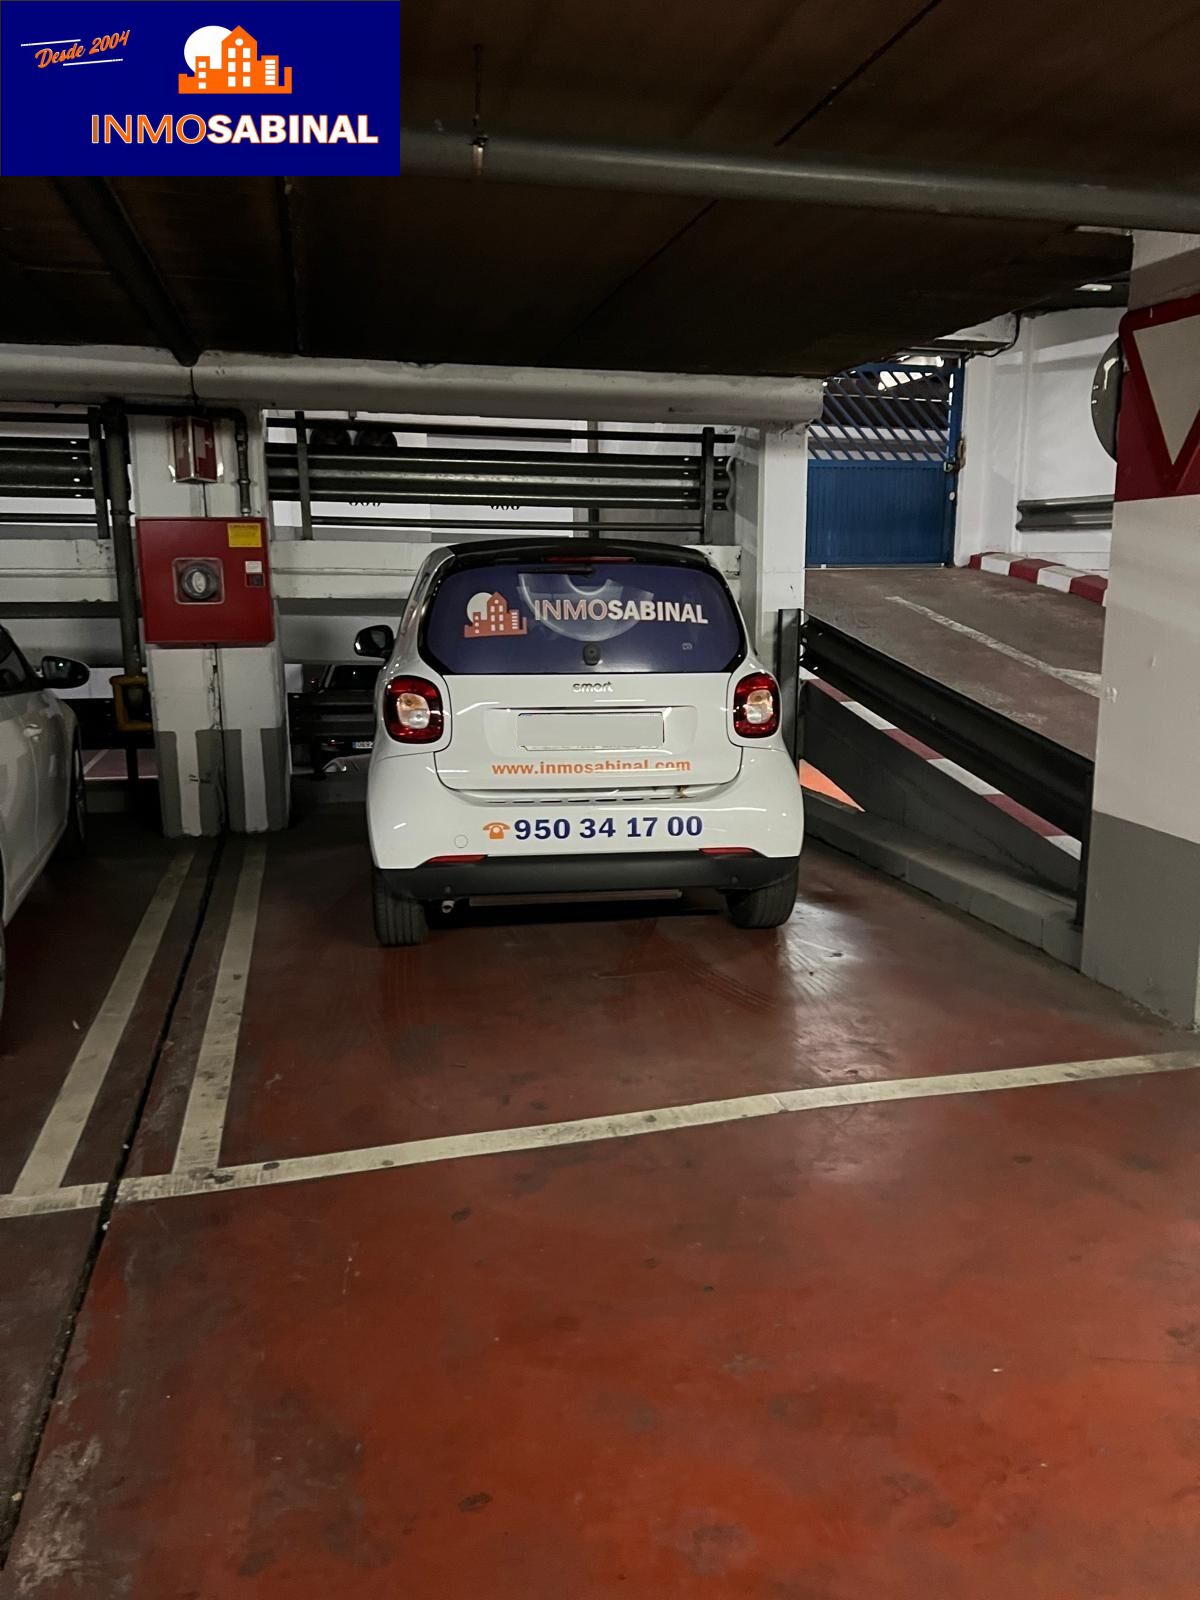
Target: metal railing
1073	515
516	466
511	466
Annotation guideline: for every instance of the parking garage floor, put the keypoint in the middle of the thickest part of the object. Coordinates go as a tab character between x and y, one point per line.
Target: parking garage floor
584	1250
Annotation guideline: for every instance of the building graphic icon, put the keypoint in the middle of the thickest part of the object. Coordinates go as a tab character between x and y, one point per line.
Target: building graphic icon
237	69
489	616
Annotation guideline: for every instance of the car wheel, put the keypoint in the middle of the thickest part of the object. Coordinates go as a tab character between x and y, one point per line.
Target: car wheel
74	840
764	908
397	921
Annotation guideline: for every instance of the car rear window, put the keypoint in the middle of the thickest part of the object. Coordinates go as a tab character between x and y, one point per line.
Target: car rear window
610	616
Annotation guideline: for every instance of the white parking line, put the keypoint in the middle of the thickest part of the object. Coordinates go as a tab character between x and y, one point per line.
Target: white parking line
80	1197
208	1100
587	1130
50	1157
94	762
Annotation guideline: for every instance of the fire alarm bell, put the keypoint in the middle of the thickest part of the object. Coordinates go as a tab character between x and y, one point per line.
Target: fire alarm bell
198	583
205	580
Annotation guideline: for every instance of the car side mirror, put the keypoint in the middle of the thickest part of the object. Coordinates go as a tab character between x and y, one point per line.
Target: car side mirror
60	672
376	642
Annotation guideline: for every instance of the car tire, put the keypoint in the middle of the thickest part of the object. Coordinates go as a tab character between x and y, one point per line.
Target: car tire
74	840
398	921
764	908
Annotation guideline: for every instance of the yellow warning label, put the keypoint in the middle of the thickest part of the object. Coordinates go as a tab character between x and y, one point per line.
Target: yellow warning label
245	535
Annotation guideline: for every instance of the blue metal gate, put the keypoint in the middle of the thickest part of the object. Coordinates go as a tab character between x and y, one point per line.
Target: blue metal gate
883	466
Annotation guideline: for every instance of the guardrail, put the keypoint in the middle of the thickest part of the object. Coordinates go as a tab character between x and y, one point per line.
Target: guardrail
1079	514
1051	780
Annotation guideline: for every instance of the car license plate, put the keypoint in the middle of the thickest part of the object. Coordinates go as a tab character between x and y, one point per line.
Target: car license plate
596	830
362	744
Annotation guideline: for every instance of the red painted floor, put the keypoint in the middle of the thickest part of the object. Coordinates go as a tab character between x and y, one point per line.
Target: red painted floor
512	1016
949	1346
65	946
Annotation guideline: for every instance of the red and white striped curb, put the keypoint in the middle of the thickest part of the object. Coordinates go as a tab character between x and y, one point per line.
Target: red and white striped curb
1019	813
1068	580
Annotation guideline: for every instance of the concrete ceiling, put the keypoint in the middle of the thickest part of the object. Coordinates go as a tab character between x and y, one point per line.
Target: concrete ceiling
433	269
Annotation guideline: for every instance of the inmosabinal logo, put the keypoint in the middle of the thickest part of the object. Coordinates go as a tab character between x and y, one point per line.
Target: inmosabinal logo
226	61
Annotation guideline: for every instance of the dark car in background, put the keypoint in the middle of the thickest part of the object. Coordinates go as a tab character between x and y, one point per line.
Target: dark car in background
334	716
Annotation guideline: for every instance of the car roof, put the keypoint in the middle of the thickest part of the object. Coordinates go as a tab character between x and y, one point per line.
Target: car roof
522	548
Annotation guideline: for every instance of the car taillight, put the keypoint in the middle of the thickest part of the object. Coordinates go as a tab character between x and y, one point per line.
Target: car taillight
412	710
756	706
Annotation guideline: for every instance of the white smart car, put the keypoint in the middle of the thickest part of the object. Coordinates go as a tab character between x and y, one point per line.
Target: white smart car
41	774
567	716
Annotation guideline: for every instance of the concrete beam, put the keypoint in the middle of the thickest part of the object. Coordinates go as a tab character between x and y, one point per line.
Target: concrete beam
94	372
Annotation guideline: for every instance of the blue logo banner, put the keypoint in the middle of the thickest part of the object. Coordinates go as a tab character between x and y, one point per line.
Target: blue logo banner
199	88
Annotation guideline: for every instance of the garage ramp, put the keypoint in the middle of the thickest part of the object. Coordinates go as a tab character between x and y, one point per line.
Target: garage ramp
1029	653
958	710
582	1250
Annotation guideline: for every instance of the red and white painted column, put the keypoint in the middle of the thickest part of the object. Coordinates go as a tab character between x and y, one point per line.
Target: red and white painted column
1142	926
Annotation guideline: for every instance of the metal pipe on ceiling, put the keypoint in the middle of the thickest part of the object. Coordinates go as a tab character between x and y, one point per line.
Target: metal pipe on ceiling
808	180
91	372
286	383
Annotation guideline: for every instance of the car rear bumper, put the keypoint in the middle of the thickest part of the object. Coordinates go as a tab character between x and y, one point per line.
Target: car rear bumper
588	874
414	818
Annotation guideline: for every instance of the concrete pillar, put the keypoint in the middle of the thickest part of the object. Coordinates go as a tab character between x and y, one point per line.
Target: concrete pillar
220	713
1142	922
770	513
995	393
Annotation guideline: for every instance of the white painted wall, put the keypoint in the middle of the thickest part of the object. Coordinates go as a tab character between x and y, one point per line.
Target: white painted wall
1029	436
